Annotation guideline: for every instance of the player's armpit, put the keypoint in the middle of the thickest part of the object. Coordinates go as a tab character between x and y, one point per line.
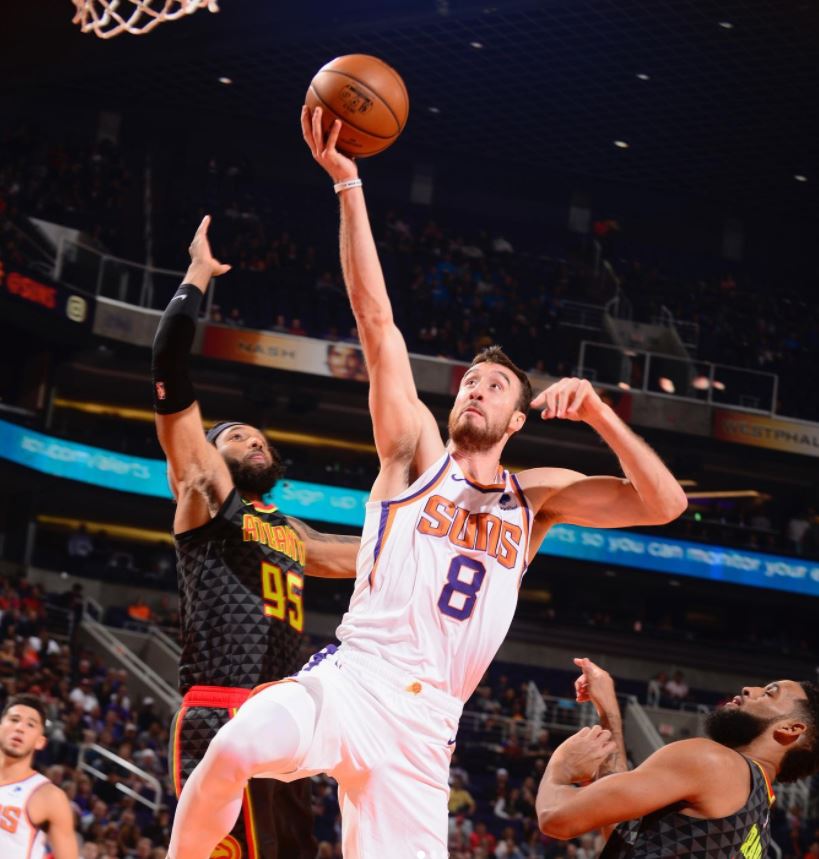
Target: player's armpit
199	478
675	773
328	556
49	809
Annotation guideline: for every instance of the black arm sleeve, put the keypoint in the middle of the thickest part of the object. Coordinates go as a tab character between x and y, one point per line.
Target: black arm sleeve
173	389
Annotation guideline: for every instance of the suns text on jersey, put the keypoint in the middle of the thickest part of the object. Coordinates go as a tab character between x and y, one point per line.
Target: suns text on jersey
10	818
483	532
282	538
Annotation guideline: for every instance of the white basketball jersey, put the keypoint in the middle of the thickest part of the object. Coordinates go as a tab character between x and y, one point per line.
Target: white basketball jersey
19	839
438	575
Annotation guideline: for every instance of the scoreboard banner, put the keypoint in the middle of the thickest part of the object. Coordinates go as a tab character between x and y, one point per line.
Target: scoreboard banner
344	506
773	433
314	356
37	299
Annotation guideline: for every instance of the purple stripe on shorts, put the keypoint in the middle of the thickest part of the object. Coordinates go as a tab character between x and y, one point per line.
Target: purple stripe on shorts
318	658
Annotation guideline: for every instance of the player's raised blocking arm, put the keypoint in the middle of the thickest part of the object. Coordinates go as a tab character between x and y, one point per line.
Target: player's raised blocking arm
193	464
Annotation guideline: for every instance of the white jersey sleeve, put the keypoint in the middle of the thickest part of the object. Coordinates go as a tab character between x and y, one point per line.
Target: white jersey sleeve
19	837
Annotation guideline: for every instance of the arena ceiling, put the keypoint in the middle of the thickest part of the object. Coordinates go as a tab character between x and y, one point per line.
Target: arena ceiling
714	98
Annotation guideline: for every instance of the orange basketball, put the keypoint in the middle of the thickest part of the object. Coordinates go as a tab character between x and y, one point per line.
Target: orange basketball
367	95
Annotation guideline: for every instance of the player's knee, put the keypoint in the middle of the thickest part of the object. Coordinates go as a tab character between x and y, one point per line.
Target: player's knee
228	756
242	748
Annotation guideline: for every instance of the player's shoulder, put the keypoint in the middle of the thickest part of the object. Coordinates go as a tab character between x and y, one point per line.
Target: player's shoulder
699	753
536	481
46	801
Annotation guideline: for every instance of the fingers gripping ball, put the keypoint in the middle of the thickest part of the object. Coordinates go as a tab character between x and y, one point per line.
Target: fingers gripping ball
367	95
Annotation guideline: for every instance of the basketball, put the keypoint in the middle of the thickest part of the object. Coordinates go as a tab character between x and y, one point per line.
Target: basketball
367	95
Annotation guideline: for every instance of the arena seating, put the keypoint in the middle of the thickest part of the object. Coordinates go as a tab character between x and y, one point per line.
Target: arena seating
457	282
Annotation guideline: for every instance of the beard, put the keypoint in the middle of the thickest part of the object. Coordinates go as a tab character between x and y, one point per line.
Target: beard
474	436
255	479
734	728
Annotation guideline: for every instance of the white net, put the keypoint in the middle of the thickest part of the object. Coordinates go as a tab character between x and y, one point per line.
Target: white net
109	18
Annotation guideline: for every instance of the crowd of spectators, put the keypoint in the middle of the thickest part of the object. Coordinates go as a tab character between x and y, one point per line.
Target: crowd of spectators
454	289
458	281
667	691
89	187
772	328
501	754
86	703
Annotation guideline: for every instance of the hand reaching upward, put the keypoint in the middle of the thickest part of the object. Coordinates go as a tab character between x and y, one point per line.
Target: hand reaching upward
204	265
595	685
338	166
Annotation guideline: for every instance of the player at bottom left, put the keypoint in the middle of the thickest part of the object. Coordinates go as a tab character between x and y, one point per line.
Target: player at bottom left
36	819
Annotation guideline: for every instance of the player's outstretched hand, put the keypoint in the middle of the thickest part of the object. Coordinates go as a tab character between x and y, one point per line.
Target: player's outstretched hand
569	399
202	258
595	685
579	758
339	166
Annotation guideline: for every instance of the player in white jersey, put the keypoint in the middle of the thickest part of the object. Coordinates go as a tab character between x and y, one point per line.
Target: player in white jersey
447	538
34	812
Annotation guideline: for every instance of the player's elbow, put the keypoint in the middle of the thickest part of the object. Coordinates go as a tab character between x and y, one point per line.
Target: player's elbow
556	823
188	479
664	506
674	505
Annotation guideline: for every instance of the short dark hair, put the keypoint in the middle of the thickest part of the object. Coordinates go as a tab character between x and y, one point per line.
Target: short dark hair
26	700
496	355
803	761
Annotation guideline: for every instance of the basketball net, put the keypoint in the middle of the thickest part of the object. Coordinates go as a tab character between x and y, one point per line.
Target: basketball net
109	18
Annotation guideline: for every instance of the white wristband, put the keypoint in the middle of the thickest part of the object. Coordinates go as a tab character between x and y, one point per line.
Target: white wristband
346	185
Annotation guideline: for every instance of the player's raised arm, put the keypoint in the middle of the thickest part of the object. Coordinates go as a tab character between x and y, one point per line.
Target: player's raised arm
675	773
405	431
597	686
199	478
648	495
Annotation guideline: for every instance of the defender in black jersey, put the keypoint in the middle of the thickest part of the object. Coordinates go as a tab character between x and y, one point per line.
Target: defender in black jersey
706	798
241	566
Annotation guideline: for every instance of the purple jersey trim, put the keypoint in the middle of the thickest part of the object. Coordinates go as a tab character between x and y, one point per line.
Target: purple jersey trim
527	513
493	487
385	512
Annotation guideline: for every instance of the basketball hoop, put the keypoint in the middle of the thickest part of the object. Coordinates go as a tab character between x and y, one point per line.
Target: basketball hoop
109	18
